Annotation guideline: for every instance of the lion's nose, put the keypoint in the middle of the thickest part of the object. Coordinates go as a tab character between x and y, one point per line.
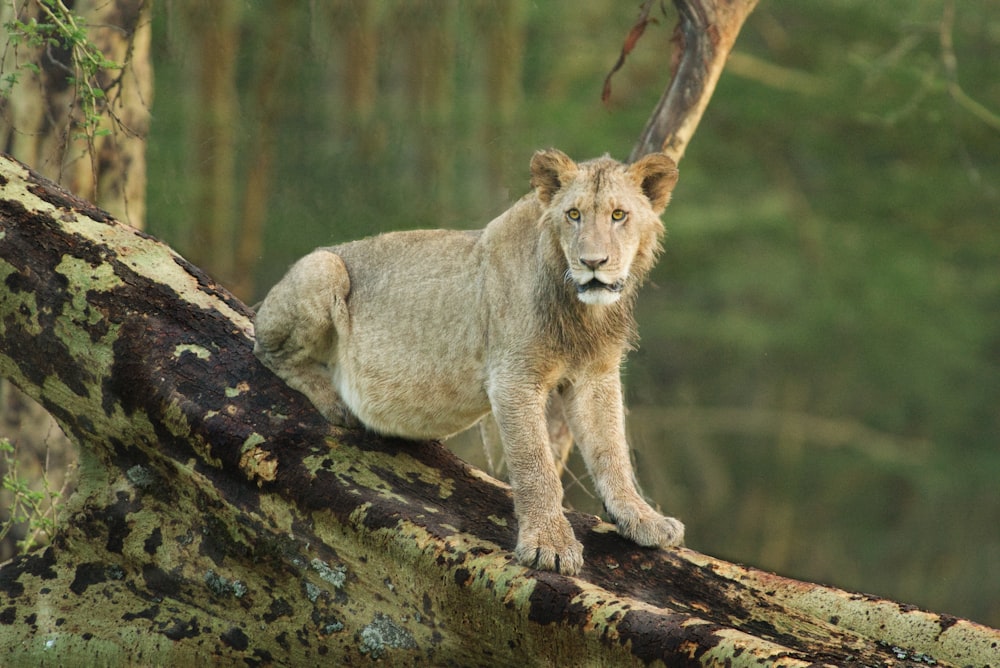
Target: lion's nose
594	262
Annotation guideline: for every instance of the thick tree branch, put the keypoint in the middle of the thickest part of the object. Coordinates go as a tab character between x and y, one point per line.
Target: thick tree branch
703	38
219	518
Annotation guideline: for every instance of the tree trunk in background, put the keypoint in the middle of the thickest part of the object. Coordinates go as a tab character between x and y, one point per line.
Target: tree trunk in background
216	35
501	25
39	124
428	30
346	37
358	20
220	519
267	101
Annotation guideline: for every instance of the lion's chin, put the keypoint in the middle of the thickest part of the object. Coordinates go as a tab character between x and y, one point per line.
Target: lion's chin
597	292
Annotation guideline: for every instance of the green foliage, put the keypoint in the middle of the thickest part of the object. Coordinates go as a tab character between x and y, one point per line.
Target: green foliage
59	28
36	509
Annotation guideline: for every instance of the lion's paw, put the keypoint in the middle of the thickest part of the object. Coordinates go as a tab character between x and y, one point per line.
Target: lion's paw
550	546
650	529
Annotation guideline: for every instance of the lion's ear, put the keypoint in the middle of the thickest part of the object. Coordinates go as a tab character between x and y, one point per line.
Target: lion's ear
656	174
550	170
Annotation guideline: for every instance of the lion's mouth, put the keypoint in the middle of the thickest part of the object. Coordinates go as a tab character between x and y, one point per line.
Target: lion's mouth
596	284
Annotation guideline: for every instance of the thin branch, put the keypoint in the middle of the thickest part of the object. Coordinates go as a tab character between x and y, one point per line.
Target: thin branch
775	76
950	62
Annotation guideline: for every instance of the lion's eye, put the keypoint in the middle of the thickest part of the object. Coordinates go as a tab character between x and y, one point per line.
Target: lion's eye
618	215
573	215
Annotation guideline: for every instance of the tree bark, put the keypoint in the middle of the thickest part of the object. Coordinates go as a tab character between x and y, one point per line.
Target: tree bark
703	38
40	123
220	518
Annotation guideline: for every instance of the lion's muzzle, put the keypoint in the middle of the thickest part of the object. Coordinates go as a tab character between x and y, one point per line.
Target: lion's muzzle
597	284
596	291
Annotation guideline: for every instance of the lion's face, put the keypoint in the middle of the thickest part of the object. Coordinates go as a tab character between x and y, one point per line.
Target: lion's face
607	215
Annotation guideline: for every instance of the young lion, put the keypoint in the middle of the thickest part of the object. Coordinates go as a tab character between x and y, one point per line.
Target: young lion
420	334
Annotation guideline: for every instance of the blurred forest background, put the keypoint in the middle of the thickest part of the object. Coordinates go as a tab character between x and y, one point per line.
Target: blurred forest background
817	390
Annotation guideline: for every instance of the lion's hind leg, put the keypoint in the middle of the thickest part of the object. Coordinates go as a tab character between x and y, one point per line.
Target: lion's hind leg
298	326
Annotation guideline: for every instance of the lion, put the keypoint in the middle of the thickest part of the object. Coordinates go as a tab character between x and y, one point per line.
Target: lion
421	334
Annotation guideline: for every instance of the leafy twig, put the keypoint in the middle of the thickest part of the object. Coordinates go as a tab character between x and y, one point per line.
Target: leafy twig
60	27
36	508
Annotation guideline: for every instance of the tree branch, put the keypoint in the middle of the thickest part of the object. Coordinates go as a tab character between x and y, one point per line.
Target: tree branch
704	36
219	518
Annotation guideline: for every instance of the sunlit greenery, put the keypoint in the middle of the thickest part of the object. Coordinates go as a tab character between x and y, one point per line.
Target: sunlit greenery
818	387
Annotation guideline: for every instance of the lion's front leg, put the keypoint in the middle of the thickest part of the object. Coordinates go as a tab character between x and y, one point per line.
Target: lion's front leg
597	419
545	539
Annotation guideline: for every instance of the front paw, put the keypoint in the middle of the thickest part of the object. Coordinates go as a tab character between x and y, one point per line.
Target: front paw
648	528
549	545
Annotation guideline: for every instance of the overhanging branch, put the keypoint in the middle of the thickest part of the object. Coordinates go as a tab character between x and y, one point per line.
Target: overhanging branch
704	36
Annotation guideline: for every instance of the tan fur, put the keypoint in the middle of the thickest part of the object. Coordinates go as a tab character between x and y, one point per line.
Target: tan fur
421	334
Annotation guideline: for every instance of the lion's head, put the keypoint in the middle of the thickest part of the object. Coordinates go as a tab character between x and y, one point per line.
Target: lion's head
607	217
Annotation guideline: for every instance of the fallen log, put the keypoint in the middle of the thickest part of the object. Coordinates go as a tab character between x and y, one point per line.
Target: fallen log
219	518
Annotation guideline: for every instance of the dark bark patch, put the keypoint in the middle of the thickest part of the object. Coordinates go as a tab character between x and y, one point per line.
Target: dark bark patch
115	518
945	622
328	624
462	576
279	608
180	629
153	542
660	578
664	637
10	584
261	657
150	613
468	504
550	600
8	615
160	582
208	286
41	356
40	564
87	574
235	638
49	192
